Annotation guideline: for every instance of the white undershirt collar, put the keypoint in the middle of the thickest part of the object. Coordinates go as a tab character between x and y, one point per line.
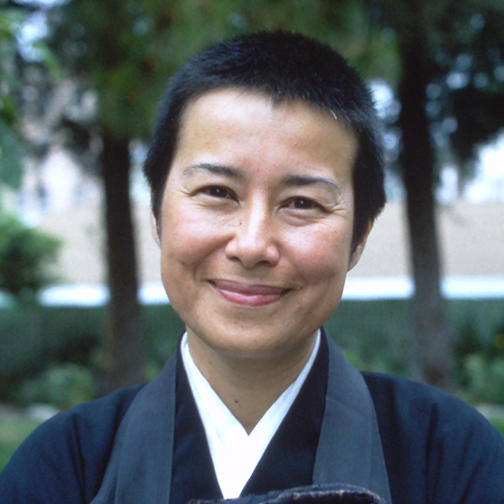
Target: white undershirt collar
235	453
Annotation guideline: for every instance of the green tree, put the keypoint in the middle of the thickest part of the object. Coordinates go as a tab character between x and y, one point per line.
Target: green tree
23	60
123	52
109	49
434	39
444	59
10	140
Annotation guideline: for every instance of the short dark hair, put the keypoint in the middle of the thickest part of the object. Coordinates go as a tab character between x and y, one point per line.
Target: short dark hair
285	66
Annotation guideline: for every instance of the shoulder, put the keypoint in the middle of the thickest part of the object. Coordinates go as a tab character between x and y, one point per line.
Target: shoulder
67	455
431	435
413	405
403	397
98	418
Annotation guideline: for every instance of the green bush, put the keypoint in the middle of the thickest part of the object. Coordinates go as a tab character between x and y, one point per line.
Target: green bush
12	432
373	334
32	336
26	257
479	361
163	327
498	423
484	379
62	385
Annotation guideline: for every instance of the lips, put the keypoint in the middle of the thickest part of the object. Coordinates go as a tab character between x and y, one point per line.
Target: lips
248	294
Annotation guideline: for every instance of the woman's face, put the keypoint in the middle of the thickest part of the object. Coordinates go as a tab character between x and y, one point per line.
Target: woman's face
256	222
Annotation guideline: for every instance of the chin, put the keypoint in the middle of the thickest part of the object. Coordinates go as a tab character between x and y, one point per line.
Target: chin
257	344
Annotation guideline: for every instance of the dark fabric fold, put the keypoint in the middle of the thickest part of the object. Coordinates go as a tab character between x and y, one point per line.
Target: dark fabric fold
313	494
139	469
349	449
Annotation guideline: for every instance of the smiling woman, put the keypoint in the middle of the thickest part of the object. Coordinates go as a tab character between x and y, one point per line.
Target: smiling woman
255	233
256	225
266	176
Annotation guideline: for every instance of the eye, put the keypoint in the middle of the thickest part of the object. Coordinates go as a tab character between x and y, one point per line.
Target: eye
217	192
300	203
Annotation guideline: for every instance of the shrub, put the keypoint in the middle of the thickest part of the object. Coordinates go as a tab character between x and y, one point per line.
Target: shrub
484	379
62	385
26	257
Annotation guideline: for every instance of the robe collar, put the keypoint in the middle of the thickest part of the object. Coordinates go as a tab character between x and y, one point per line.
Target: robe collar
349	449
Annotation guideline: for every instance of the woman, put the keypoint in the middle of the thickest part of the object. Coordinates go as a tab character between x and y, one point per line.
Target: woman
266	176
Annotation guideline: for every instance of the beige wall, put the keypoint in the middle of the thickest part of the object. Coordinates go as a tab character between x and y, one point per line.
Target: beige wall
472	241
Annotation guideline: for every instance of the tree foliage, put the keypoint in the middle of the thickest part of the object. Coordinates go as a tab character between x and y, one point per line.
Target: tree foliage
21	59
449	57
442	57
122	53
27	256
463	48
10	141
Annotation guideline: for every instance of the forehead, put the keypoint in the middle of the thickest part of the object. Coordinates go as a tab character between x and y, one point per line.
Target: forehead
242	119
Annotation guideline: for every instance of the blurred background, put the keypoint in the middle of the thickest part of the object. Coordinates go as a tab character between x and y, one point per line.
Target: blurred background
82	310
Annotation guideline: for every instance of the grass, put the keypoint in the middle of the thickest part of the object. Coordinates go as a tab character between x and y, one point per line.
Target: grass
12	432
498	423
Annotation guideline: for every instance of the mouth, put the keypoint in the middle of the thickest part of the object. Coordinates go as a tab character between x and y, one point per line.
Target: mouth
248	294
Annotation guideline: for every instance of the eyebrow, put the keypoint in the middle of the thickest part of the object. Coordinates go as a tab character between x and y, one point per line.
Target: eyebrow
304	180
227	171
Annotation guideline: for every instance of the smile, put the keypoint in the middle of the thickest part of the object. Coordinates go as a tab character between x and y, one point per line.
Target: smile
248	295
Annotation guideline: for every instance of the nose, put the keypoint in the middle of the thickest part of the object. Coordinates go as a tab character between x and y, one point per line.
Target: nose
253	241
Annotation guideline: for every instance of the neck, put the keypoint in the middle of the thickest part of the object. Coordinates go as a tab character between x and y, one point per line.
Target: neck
248	386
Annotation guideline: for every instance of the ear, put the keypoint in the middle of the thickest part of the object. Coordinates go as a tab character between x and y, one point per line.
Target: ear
155	228
359	248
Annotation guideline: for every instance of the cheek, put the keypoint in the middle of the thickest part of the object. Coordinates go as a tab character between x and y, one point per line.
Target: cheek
322	257
186	240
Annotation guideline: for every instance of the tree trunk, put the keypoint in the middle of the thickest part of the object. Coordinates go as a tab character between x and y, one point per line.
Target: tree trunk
432	355
124	351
